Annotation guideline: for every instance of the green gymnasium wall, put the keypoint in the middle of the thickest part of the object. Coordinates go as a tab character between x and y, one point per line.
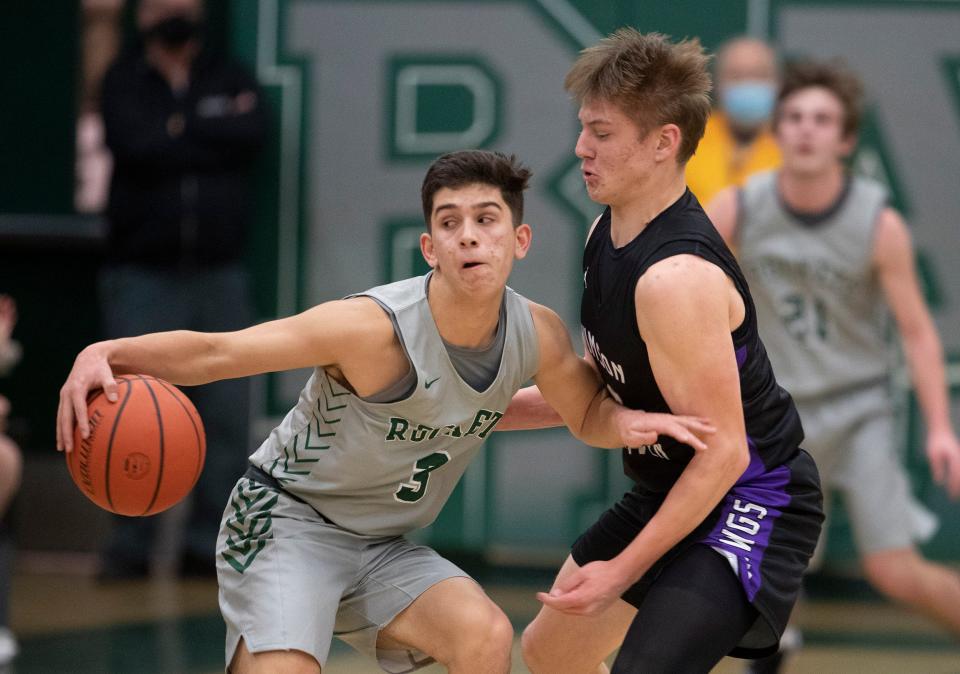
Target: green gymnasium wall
51	278
49	256
321	234
331	246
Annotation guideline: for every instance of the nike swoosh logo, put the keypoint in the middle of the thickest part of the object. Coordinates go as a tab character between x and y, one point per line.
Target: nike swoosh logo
430	383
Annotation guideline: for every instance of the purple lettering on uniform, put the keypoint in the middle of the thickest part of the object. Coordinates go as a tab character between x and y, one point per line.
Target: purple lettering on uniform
741	356
747	516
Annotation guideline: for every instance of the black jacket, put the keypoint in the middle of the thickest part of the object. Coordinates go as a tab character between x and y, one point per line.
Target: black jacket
180	192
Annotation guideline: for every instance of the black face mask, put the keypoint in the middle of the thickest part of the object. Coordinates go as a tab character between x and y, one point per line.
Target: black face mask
175	31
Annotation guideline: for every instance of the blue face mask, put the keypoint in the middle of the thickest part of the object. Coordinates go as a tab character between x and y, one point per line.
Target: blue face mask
749	102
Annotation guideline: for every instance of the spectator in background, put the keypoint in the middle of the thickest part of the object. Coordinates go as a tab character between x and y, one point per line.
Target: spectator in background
737	140
10	469
826	258
184	128
100	44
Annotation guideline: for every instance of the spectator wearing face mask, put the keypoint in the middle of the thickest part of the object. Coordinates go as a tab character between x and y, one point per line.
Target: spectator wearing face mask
184	127
737	141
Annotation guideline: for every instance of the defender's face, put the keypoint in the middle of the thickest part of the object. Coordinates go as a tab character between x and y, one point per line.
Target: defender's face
615	155
809	130
472	241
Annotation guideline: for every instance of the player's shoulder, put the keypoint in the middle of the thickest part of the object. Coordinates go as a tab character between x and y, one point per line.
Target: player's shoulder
358	321
678	278
545	318
727	198
891	234
890	217
723	211
551	333
677	297
547	323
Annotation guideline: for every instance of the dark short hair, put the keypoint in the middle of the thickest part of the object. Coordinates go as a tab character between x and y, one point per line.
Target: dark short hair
469	167
835	77
652	80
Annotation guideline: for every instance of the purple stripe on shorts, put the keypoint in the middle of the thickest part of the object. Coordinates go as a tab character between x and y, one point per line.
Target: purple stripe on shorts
747	516
741	354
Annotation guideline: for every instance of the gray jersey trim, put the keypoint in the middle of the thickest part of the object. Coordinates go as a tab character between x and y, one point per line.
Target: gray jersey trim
407	384
477	367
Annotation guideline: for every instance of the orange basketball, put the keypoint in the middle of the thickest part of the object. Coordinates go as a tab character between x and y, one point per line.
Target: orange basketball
145	451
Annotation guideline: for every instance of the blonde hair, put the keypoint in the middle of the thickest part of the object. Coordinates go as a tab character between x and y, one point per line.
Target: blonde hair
652	80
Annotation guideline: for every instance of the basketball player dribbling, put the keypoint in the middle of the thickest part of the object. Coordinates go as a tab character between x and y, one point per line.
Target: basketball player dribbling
409	379
703	558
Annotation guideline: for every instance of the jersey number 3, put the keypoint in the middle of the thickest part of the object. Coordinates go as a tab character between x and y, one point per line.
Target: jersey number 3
416	488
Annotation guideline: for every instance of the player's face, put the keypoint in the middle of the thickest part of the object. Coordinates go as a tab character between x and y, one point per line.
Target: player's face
616	157
810	131
472	241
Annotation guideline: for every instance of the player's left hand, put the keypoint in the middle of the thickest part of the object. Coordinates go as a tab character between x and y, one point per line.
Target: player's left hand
943	453
588	591
638	428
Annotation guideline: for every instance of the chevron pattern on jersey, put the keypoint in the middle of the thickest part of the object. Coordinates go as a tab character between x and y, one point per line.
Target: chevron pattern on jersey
296	457
250	525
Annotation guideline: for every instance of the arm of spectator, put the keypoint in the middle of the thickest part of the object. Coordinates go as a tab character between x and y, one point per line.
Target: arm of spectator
10	351
4	413
140	135
235	122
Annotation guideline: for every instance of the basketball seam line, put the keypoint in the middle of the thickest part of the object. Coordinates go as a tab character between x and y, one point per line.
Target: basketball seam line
113	433
156	406
196	430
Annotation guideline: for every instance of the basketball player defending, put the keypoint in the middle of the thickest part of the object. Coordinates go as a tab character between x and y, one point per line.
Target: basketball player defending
826	257
703	558
410	378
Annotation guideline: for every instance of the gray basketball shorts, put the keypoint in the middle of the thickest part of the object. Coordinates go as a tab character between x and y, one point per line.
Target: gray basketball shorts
290	580
854	440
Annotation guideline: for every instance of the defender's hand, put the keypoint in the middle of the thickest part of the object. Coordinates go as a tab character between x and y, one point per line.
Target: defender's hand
639	428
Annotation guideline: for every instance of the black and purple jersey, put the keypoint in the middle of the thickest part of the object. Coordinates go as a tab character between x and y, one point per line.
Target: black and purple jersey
768	524
609	323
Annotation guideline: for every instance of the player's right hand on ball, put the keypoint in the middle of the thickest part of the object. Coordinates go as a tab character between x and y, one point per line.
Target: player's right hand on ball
639	428
91	371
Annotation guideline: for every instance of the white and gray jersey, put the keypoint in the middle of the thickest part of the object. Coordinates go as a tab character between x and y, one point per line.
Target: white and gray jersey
820	307
387	468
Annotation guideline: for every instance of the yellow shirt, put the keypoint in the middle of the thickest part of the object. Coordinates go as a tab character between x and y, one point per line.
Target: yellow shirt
719	163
